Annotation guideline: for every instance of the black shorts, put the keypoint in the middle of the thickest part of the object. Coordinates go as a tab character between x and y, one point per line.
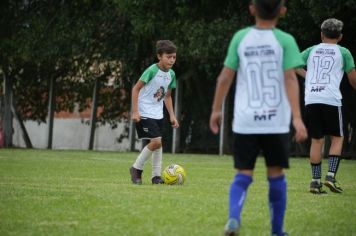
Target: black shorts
148	128
322	119
274	147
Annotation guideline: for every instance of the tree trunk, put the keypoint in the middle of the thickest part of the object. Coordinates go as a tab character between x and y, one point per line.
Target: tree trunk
7	122
25	136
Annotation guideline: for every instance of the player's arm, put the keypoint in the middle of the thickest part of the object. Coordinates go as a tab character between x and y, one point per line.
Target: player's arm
301	72
352	78
169	105
135	116
223	85
292	88
305	55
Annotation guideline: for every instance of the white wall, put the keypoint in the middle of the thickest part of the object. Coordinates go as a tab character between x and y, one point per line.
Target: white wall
72	134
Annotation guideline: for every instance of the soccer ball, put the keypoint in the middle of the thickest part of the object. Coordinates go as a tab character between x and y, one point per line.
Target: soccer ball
174	174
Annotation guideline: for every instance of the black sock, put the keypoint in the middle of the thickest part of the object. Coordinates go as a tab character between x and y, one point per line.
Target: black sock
334	161
316	171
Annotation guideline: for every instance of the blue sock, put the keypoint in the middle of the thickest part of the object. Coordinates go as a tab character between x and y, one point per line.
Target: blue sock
277	202
238	190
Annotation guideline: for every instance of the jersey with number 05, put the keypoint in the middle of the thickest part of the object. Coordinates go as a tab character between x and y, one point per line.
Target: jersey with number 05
151	96
260	57
326	64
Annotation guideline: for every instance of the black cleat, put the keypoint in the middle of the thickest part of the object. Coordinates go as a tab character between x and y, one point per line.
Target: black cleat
332	184
157	180
317	188
136	175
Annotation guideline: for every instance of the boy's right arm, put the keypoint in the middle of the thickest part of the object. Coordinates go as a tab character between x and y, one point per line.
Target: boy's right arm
135	116
352	78
224	82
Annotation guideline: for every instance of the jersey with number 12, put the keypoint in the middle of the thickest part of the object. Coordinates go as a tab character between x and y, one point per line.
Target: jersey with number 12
260	57
326	64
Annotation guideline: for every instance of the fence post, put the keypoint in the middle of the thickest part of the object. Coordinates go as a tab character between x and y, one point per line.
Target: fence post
132	133
222	129
93	113
50	112
177	111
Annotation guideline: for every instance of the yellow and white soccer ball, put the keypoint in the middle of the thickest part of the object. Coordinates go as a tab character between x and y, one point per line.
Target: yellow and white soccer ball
174	174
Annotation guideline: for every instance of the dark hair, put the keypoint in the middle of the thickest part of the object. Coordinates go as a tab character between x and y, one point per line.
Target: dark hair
268	9
331	28
165	46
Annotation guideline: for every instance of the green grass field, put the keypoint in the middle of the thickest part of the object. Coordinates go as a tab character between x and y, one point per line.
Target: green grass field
89	193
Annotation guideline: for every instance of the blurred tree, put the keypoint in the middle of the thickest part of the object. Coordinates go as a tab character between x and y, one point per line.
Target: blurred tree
201	30
71	41
78	41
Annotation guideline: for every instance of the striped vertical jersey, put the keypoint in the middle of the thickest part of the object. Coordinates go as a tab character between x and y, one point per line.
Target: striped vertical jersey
151	96
260	57
326	64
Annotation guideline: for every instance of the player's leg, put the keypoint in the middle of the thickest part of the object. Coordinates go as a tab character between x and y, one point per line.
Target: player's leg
334	161
136	169
237	196
156	146
315	163
335	155
315	125
144	130
277	198
246	150
276	152
334	128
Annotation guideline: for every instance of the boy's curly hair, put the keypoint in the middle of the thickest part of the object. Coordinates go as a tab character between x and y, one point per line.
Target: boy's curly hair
331	28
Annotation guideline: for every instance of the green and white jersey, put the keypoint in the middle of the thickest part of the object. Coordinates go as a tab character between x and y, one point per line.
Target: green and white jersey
260	57
326	64
151	96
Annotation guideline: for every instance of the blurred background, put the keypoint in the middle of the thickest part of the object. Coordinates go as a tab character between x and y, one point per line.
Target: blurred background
67	68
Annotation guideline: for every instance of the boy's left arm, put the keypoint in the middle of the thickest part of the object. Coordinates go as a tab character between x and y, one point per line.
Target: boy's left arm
169	105
292	89
301	72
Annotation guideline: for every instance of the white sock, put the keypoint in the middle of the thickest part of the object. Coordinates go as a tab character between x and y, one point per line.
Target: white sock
331	174
156	162
316	180
142	158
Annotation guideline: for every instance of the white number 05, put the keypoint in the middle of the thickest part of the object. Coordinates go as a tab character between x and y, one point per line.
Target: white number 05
264	87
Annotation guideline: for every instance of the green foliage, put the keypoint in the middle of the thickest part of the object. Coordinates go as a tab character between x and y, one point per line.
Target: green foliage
90	193
71	41
76	42
304	18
